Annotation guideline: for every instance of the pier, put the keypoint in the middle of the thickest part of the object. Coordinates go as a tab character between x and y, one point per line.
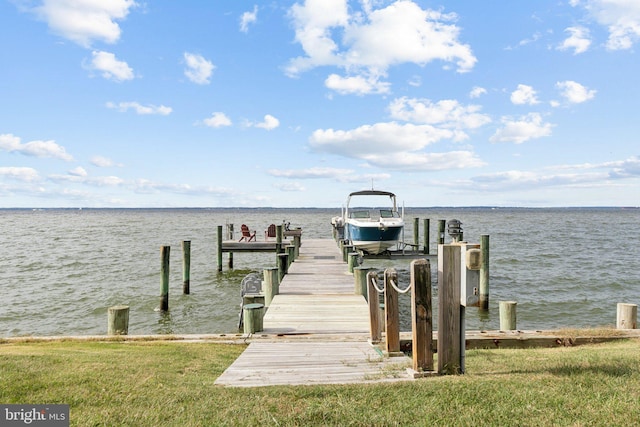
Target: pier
316	299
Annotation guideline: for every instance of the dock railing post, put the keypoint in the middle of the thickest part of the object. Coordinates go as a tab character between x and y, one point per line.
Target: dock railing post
427	224
164	276
391	313
416	234
421	316
283	266
441	225
219	248
186	267
230	231
271	284
279	246
450	351
483	296
360	281
375	328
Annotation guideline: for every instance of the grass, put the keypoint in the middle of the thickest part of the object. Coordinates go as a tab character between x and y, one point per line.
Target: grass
172	384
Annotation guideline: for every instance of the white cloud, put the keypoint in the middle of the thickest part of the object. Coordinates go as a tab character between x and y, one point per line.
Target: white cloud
50	149
79	171
217	120
477	92
139	108
19	173
359	85
575	93
103	162
518	131
248	18
269	123
447	113
199	69
524	95
290	186
366	43
83	21
110	67
578	40
622	19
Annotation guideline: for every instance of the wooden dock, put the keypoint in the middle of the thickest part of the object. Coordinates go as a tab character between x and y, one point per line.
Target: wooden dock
316	297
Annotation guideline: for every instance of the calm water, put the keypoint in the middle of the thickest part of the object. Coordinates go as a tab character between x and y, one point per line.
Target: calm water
61	269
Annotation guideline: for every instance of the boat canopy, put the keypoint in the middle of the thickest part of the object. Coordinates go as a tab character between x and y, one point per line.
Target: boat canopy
372	193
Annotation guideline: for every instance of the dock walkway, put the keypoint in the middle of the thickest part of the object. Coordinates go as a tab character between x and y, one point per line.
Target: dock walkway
316	297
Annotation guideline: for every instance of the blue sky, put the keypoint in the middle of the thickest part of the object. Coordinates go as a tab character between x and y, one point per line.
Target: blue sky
298	103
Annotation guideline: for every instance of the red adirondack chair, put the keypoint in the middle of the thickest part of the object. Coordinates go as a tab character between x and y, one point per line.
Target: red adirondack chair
270	232
246	234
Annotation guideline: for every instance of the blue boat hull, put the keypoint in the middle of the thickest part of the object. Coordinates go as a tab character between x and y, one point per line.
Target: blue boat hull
373	239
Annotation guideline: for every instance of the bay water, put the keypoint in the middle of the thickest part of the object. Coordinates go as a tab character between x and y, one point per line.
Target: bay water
60	269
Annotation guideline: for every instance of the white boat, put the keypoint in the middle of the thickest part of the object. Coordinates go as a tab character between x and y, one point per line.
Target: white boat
372	229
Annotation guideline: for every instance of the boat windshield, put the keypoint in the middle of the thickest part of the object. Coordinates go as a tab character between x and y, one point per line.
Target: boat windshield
388	213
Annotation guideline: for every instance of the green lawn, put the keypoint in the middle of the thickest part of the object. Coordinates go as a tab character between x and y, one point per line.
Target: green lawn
172	384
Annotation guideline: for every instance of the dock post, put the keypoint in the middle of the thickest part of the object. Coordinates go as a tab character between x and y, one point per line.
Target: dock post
416	233
427	224
186	267
627	316
279	247
271	284
421	316
450	351
291	251
353	261
118	317
346	250
391	313
297	242
484	273
283	265
508	315
360	281
441	225
164	273
375	329
230	231
219	248
253	314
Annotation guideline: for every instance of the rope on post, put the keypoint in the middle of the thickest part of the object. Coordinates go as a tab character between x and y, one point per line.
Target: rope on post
400	291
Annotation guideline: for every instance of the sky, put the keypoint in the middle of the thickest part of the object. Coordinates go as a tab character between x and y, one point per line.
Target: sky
232	103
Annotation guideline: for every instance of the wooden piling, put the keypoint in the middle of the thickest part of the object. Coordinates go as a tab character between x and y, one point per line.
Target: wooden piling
271	284
627	316
297	242
483	296
230	230
427	224
508	315
279	245
283	265
291	251
219	248
375	329
253	315
416	233
118	320
421	316
360	281
186	267
441	226
164	273
353	261
346	250
449	321
391	313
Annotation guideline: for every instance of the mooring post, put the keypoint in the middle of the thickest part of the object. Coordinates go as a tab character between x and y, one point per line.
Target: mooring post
253	318
421	316
118	320
508	315
353	261
297	242
279	246
346	250
375	330
484	273
441	226
164	273
360	281
291	251
219	248
449	310
416	233
391	313
283	266
427	224
627	316
186	267
230	253
271	284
